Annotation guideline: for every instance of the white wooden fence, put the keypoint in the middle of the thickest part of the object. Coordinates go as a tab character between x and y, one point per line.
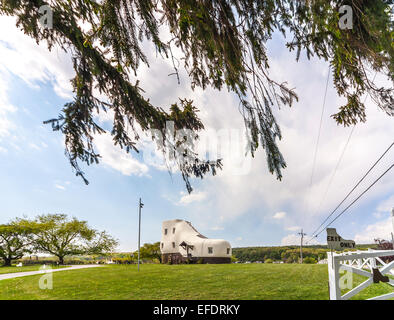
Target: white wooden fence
361	263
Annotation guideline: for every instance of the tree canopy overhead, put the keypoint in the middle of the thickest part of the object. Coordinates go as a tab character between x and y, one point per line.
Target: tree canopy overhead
223	43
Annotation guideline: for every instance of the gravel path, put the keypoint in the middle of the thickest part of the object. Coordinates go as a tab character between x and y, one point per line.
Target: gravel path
32	273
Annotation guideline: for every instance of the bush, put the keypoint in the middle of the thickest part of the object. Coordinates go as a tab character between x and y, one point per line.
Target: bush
310	260
269	261
27	262
37	262
126	260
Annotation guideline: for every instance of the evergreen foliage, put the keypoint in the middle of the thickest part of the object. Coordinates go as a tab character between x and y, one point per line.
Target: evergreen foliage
223	43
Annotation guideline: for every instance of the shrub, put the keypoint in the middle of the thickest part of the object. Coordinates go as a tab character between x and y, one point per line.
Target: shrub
310	260
269	261
27	262
126	260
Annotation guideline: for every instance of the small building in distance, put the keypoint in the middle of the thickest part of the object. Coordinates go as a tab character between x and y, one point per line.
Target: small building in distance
181	242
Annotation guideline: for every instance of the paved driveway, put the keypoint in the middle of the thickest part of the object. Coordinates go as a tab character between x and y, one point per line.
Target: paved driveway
32	273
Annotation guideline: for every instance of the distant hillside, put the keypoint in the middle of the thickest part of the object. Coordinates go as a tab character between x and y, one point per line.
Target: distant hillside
287	254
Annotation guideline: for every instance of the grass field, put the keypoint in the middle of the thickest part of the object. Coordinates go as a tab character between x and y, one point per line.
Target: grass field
14	269
236	281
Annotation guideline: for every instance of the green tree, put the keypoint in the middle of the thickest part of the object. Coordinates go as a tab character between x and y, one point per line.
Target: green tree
234	259
223	44
310	260
62	237
16	239
150	251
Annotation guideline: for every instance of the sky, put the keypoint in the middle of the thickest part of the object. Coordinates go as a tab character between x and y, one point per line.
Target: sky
243	204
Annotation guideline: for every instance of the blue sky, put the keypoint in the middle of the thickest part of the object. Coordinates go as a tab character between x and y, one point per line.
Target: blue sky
248	207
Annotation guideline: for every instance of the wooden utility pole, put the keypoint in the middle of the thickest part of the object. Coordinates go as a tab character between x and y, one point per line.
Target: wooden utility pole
140	206
302	234
392	220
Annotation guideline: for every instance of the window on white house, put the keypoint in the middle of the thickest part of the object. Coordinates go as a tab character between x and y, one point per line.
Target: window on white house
173	230
173	244
210	250
228	250
165	232
162	245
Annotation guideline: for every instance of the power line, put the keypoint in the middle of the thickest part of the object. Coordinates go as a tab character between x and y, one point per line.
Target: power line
351	191
335	169
341	156
319	133
355	200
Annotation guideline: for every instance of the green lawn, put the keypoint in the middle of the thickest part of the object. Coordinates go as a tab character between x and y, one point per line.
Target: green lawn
14	269
236	281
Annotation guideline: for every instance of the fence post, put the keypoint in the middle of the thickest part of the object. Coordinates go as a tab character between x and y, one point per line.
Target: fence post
333	277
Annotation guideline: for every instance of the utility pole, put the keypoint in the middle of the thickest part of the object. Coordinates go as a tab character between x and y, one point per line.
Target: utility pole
392	220
302	234
140	206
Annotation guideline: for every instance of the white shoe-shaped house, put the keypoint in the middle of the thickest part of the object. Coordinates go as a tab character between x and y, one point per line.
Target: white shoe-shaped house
181	242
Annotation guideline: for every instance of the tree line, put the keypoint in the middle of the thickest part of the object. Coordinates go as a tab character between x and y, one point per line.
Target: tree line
286	254
54	234
149	252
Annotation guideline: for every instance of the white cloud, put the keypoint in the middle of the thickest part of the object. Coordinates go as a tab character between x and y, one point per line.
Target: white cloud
259	192
3	150
279	215
293	239
290	239
294	228
386	206
378	215
6	125
196	196
117	158
34	146
33	62
60	187
381	229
